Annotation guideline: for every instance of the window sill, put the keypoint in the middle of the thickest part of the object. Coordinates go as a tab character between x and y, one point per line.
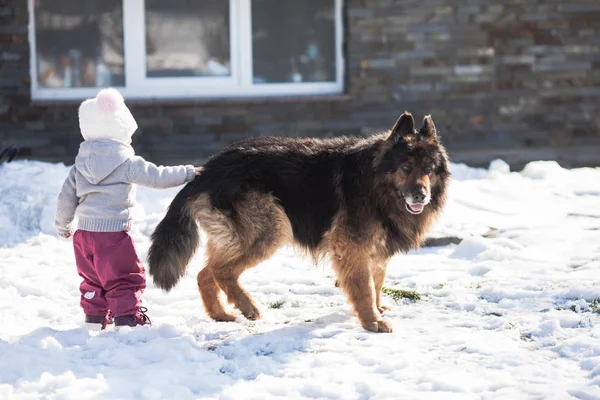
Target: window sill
220	101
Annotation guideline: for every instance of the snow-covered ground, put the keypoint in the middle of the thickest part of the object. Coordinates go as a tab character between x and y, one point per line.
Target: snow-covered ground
510	317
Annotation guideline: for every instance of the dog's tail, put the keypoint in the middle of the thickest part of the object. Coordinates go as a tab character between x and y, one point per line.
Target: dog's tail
174	241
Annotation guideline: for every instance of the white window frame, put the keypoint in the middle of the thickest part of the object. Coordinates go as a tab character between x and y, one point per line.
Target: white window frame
238	84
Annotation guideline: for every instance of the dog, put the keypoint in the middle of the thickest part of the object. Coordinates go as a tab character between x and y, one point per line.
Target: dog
356	200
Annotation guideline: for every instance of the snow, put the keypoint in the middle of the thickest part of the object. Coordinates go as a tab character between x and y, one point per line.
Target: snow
511	315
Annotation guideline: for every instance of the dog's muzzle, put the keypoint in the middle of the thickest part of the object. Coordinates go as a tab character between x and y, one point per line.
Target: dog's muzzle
415	203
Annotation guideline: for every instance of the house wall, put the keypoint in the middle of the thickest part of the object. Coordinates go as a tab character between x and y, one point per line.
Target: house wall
519	80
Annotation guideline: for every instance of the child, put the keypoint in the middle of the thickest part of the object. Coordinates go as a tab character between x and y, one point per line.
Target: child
100	190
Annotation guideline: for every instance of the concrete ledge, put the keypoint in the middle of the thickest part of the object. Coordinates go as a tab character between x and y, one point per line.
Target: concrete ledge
568	157
179	102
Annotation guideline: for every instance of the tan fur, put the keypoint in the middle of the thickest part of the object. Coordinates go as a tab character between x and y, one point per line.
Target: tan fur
415	177
360	270
359	234
260	228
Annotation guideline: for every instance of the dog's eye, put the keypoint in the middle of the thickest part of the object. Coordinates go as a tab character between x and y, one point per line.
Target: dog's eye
427	170
406	168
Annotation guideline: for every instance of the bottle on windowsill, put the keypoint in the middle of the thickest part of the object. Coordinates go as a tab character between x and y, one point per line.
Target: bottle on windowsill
67	80
295	75
75	56
320	73
103	76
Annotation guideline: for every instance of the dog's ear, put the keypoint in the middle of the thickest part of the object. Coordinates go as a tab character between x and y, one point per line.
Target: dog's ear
404	126
428	128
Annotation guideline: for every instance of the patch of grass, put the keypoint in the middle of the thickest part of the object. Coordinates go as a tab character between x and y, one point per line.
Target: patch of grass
493	313
398	294
573	308
275	304
527	337
595	305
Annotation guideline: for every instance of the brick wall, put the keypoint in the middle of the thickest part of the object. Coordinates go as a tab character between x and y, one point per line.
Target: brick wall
519	80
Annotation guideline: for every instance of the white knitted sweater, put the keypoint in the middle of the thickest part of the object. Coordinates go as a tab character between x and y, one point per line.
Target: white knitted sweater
101	186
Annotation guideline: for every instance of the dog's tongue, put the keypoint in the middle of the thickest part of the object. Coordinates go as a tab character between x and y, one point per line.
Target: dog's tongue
416	207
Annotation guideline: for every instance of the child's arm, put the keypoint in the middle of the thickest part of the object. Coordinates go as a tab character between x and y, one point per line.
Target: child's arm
66	205
148	174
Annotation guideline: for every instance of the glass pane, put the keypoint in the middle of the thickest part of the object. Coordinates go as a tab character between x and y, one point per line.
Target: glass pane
79	43
293	41
187	38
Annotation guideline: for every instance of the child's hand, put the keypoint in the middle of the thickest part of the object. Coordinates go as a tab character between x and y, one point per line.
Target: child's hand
198	170
65	235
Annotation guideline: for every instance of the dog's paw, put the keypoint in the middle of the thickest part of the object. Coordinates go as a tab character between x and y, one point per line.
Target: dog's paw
252	313
379	326
224	317
383	309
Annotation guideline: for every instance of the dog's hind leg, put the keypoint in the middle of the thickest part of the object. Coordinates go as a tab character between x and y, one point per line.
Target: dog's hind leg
227	275
260	228
222	272
209	291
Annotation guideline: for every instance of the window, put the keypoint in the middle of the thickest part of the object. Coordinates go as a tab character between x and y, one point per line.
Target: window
185	48
187	38
80	48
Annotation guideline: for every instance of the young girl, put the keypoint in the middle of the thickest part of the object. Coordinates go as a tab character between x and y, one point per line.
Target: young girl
100	190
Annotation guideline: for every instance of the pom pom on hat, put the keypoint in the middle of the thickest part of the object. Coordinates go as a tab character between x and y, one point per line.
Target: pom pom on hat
109	100
106	117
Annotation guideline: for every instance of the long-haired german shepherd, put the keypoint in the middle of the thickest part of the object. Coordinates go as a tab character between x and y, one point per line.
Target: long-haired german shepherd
358	200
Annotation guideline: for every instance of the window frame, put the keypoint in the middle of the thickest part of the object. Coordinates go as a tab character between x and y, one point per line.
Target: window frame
238	84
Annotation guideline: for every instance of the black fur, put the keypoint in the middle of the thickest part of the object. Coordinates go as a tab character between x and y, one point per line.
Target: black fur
301	173
174	242
313	180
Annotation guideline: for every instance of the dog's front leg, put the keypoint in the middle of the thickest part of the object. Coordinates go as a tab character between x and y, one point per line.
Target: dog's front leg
354	277
379	268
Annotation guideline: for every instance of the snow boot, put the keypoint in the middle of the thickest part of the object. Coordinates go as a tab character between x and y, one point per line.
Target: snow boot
139	318
98	322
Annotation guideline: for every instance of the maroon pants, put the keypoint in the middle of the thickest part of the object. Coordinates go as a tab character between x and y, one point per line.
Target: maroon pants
113	276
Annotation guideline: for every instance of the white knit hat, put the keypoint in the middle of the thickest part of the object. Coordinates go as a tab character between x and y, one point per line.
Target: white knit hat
106	117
